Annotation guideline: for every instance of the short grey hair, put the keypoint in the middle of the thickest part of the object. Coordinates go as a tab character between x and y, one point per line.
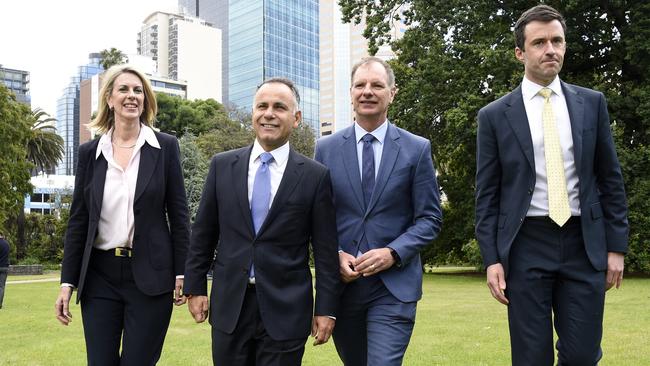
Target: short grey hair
289	84
370	59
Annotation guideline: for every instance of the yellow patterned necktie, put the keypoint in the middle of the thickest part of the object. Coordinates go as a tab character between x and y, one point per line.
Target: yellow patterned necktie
558	199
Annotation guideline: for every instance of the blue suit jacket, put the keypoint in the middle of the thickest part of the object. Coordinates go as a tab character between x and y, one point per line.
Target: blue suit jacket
404	210
505	175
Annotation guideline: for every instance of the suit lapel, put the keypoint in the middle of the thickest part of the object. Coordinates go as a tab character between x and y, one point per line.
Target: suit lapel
516	116
99	179
148	159
292	174
388	158
240	179
576	107
351	163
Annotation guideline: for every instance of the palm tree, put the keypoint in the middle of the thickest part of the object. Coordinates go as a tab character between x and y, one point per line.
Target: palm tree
44	146
112	57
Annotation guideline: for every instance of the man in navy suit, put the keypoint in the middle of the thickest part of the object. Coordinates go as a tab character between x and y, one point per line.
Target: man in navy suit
261	305
387	209
551	215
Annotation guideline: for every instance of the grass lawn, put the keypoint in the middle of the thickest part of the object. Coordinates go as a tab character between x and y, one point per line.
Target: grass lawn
458	323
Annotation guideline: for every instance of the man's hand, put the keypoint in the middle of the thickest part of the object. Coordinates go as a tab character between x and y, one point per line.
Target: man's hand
321	329
179	299
198	307
346	267
62	305
615	265
496	281
374	261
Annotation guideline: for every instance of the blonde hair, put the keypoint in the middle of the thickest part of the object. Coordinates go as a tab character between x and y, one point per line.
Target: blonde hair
105	118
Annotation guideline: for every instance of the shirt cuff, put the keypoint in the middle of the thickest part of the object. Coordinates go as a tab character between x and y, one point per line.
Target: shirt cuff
65	284
180	277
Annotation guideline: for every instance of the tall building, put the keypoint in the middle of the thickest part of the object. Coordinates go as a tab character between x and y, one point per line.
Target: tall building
67	114
214	12
18	82
267	38
184	48
342	45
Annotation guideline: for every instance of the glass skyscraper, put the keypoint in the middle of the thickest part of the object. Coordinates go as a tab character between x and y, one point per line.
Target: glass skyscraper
267	38
67	114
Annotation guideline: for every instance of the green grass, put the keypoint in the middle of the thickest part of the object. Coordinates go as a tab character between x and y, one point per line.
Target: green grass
458	323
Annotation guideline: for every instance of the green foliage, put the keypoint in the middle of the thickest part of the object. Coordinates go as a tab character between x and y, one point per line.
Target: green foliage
458	56
195	170
14	169
44	147
177	116
302	140
112	57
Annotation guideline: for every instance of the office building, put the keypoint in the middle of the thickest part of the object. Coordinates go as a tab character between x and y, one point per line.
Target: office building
267	38
67	114
18	82
186	49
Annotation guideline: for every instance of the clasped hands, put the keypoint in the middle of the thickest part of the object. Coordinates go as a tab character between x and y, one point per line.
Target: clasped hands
368	264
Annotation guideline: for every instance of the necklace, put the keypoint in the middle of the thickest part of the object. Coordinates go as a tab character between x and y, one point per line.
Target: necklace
126	146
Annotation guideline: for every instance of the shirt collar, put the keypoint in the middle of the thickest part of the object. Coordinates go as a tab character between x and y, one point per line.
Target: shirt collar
379	132
530	89
280	155
146	135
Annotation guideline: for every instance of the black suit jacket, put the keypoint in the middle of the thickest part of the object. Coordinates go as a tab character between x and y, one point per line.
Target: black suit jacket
301	212
161	234
505	175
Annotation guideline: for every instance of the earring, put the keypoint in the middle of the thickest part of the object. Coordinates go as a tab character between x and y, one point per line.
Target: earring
110	108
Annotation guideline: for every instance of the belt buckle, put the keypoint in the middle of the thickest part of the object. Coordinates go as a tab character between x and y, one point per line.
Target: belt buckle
123	252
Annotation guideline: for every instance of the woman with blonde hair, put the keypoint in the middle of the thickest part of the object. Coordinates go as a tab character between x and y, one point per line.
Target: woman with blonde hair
128	230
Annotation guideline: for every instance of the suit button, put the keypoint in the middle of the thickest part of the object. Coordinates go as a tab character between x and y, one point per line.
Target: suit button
530	191
521	220
245	270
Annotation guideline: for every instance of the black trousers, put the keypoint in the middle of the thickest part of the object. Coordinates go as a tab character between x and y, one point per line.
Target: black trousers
250	344
114	309
551	282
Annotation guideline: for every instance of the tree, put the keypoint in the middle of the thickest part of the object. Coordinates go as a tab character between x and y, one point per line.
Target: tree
195	170
44	147
112	57
14	169
457	56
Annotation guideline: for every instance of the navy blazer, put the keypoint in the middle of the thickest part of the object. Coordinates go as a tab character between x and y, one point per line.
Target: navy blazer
505	175
404	210
161	234
301	213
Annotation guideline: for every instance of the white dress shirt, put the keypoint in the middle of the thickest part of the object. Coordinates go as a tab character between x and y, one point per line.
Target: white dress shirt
276	167
534	104
116	223
377	144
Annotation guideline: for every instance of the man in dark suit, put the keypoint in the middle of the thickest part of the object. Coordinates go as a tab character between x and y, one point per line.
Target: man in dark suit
550	204
387	209
261	207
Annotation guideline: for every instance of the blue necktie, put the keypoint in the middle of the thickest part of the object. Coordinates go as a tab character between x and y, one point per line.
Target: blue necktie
261	199
367	168
367	178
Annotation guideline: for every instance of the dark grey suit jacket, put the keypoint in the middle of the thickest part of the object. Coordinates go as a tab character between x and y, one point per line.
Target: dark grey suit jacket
505	175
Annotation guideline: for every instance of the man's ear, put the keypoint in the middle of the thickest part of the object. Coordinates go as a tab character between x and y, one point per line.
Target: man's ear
519	54
298	116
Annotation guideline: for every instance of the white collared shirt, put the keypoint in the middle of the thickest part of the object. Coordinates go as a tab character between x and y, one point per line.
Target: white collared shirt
377	144
116	223
534	104
276	167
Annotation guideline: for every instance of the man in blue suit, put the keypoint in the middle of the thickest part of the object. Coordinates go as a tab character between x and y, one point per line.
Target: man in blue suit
551	216
387	209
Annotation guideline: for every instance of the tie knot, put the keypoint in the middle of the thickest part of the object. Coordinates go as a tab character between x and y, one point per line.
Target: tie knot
266	157
545	92
368	138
